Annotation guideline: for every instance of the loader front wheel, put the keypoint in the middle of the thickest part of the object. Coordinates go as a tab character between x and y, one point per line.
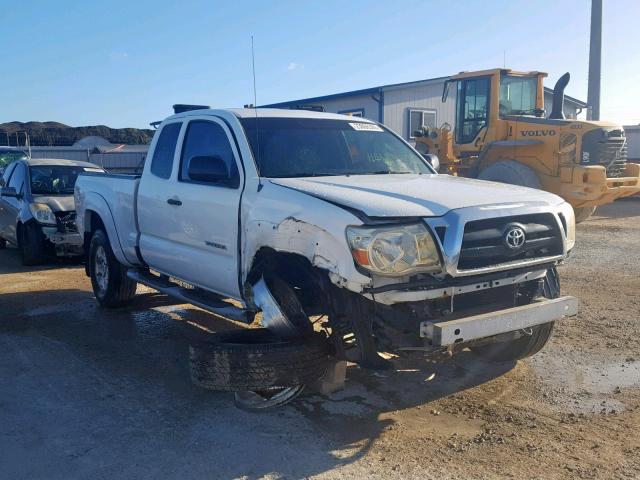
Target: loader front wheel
511	172
582	213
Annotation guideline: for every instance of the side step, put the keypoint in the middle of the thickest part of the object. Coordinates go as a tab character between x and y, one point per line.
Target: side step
205	300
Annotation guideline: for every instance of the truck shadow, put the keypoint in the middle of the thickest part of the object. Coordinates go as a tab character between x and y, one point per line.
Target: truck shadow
11	262
623	208
113	388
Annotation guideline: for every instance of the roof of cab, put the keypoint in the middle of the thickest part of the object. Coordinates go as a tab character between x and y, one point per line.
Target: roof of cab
269	113
59	162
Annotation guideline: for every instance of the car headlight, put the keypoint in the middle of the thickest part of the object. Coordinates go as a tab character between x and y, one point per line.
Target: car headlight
394	250
42	213
566	210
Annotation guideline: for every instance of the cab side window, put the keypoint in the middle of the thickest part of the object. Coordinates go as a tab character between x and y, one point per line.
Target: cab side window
162	161
473	108
208	139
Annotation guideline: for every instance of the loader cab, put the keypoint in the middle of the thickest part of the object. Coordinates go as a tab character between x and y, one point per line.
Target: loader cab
485	98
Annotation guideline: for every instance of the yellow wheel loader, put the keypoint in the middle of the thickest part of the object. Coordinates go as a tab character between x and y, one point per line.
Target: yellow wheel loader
501	135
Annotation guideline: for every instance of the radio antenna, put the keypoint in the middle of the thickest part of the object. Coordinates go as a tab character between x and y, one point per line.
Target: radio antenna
253	69
256	153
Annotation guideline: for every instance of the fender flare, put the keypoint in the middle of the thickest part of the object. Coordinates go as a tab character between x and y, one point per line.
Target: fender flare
95	204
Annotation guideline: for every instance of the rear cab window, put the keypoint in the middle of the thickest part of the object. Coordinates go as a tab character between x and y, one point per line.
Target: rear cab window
162	161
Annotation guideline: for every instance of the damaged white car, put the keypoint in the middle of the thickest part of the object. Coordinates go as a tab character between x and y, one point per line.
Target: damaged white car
339	233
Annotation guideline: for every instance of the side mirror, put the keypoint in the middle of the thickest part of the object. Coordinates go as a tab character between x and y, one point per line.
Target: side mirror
433	160
211	169
10	192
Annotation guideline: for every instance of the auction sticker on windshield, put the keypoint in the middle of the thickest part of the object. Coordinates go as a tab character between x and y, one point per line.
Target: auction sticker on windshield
367	127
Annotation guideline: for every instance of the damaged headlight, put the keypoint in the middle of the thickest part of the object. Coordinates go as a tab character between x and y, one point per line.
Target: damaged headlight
394	250
42	213
568	215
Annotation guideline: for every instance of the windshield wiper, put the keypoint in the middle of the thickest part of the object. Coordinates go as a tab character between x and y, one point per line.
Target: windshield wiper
384	172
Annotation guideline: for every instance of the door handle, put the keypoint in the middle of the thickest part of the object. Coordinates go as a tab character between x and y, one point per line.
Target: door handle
174	201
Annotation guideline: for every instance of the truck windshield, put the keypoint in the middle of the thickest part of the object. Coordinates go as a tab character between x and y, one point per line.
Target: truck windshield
53	179
310	147
517	95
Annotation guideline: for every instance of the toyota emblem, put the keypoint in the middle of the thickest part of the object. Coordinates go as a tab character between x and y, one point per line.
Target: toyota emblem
515	237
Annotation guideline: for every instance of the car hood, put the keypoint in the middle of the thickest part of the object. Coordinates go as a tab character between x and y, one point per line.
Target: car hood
413	195
57	203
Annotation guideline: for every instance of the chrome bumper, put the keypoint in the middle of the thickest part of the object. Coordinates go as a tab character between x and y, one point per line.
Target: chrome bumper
501	321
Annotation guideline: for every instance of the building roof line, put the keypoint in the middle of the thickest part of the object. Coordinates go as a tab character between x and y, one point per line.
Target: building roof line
391	86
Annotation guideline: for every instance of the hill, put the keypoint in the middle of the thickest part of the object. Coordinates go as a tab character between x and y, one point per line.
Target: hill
61	135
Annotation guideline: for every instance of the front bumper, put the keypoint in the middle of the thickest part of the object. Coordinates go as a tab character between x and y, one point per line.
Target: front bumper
65	244
494	323
588	186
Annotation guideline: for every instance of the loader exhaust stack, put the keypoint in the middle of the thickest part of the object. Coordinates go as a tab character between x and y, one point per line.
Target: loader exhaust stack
557	111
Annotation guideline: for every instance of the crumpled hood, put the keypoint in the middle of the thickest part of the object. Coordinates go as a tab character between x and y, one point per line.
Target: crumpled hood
57	203
413	195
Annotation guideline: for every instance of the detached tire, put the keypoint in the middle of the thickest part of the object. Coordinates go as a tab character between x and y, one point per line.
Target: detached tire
109	280
511	172
254	359
582	213
527	345
32	246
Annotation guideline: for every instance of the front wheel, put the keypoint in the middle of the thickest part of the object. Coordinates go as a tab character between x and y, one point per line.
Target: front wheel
32	247
109	280
532	340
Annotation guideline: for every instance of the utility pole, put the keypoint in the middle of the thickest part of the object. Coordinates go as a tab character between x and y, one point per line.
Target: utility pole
595	61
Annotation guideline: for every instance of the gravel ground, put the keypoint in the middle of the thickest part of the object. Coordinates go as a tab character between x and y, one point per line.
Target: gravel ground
88	393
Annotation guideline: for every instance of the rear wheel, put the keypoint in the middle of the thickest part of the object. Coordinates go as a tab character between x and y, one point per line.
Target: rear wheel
511	172
32	246
109	280
532	339
582	213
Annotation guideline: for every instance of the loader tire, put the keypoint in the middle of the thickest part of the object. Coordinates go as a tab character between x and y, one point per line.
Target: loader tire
109	280
582	213
526	345
511	172
253	359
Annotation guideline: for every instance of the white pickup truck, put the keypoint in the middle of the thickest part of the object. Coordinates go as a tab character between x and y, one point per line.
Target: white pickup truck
330	220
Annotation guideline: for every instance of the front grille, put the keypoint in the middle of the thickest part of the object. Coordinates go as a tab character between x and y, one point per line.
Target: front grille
606	148
484	243
66	222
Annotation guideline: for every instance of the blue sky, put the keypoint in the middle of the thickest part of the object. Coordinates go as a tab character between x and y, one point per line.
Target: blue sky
124	63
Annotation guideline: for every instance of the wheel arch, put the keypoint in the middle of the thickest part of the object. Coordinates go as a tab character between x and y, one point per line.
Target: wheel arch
96	214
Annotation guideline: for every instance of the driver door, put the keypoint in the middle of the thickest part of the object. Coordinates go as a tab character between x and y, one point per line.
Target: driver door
198	241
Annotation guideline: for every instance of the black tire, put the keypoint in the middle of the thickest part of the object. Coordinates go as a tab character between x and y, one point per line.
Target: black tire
582	213
3	244
114	289
527	345
511	172
254	359
32	247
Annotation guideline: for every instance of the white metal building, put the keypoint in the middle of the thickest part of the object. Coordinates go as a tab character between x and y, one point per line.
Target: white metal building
404	107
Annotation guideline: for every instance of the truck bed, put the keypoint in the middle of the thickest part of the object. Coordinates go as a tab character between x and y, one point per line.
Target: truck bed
111	196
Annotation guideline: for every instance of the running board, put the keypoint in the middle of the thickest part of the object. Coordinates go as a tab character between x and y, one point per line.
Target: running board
207	301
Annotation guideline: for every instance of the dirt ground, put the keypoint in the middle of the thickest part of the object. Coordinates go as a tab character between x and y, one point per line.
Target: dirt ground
87	393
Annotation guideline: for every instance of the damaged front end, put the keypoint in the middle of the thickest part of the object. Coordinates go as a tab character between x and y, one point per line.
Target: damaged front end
64	239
